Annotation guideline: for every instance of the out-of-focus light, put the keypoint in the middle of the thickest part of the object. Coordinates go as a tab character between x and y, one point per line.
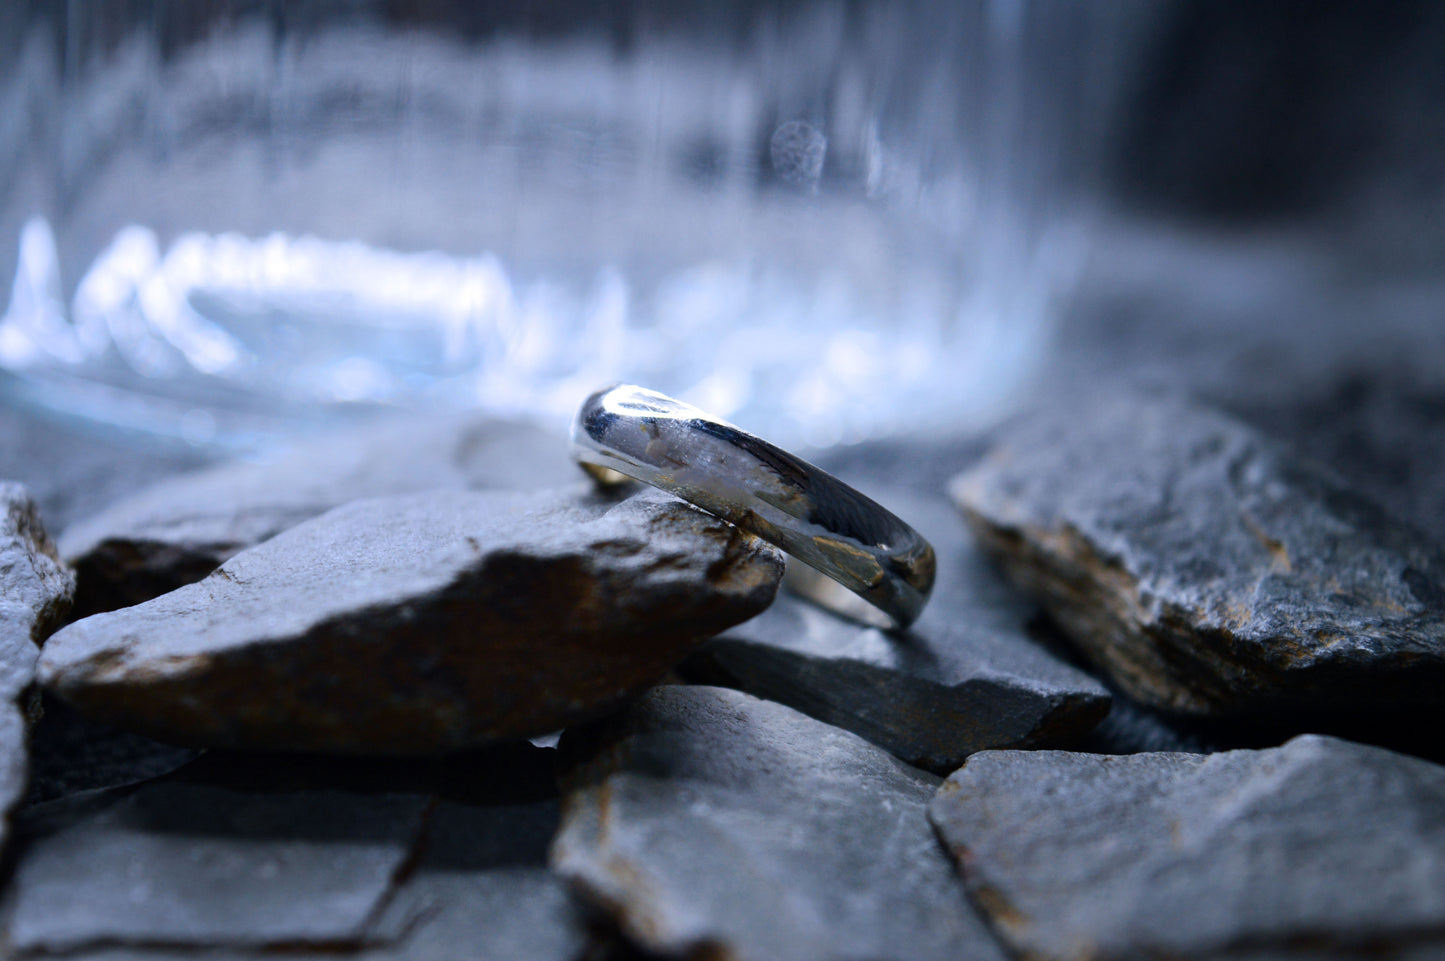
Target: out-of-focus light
301	320
35	327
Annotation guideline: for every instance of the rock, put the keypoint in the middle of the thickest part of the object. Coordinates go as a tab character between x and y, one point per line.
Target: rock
35	593
179	530
1380	427
420	623
482	889
37	587
1320	849
265	858
965	677
1207	570
177	863
709	823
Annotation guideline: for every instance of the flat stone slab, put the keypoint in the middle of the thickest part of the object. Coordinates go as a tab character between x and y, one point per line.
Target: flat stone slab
179	530
35	594
193	864
709	823
965	677
1320	849
1204	567
263	858
420	624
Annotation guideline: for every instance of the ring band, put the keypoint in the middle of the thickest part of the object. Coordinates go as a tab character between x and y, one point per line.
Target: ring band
766	491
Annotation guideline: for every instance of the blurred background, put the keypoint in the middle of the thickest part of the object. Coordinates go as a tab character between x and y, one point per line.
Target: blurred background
227	223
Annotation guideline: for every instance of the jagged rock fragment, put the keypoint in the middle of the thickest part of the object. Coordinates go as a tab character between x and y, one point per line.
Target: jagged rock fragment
420	624
35	594
1205	568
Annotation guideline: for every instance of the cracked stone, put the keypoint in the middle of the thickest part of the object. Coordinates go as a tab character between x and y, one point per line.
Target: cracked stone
709	823
1320	849
35	594
965	677
420	624
1205	568
179	530
482	889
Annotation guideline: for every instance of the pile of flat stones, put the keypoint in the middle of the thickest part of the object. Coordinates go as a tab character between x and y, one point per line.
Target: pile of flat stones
421	691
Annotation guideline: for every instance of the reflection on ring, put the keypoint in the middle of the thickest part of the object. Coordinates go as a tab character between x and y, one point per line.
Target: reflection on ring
766	491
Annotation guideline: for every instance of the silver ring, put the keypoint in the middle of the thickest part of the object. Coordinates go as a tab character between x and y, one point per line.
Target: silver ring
766	491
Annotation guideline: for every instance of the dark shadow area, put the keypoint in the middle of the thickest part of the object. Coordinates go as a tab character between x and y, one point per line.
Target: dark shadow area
70	753
1245	111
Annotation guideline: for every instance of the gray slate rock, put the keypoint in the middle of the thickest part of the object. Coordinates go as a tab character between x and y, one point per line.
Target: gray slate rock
441	859
709	823
177	864
35	593
482	889
420	624
965	677
1320	849
1206	569
1381	428
37	587
179	530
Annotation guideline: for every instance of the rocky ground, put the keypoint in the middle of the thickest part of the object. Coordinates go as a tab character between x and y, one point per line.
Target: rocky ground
1177	695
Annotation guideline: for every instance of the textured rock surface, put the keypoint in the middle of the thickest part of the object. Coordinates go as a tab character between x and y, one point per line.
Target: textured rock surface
35	593
420	623
1205	569
181	529
1319	849
710	823
37	587
965	677
1383	430
260	857
180	863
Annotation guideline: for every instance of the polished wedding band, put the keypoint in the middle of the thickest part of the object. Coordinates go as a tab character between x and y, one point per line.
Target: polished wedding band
766	491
